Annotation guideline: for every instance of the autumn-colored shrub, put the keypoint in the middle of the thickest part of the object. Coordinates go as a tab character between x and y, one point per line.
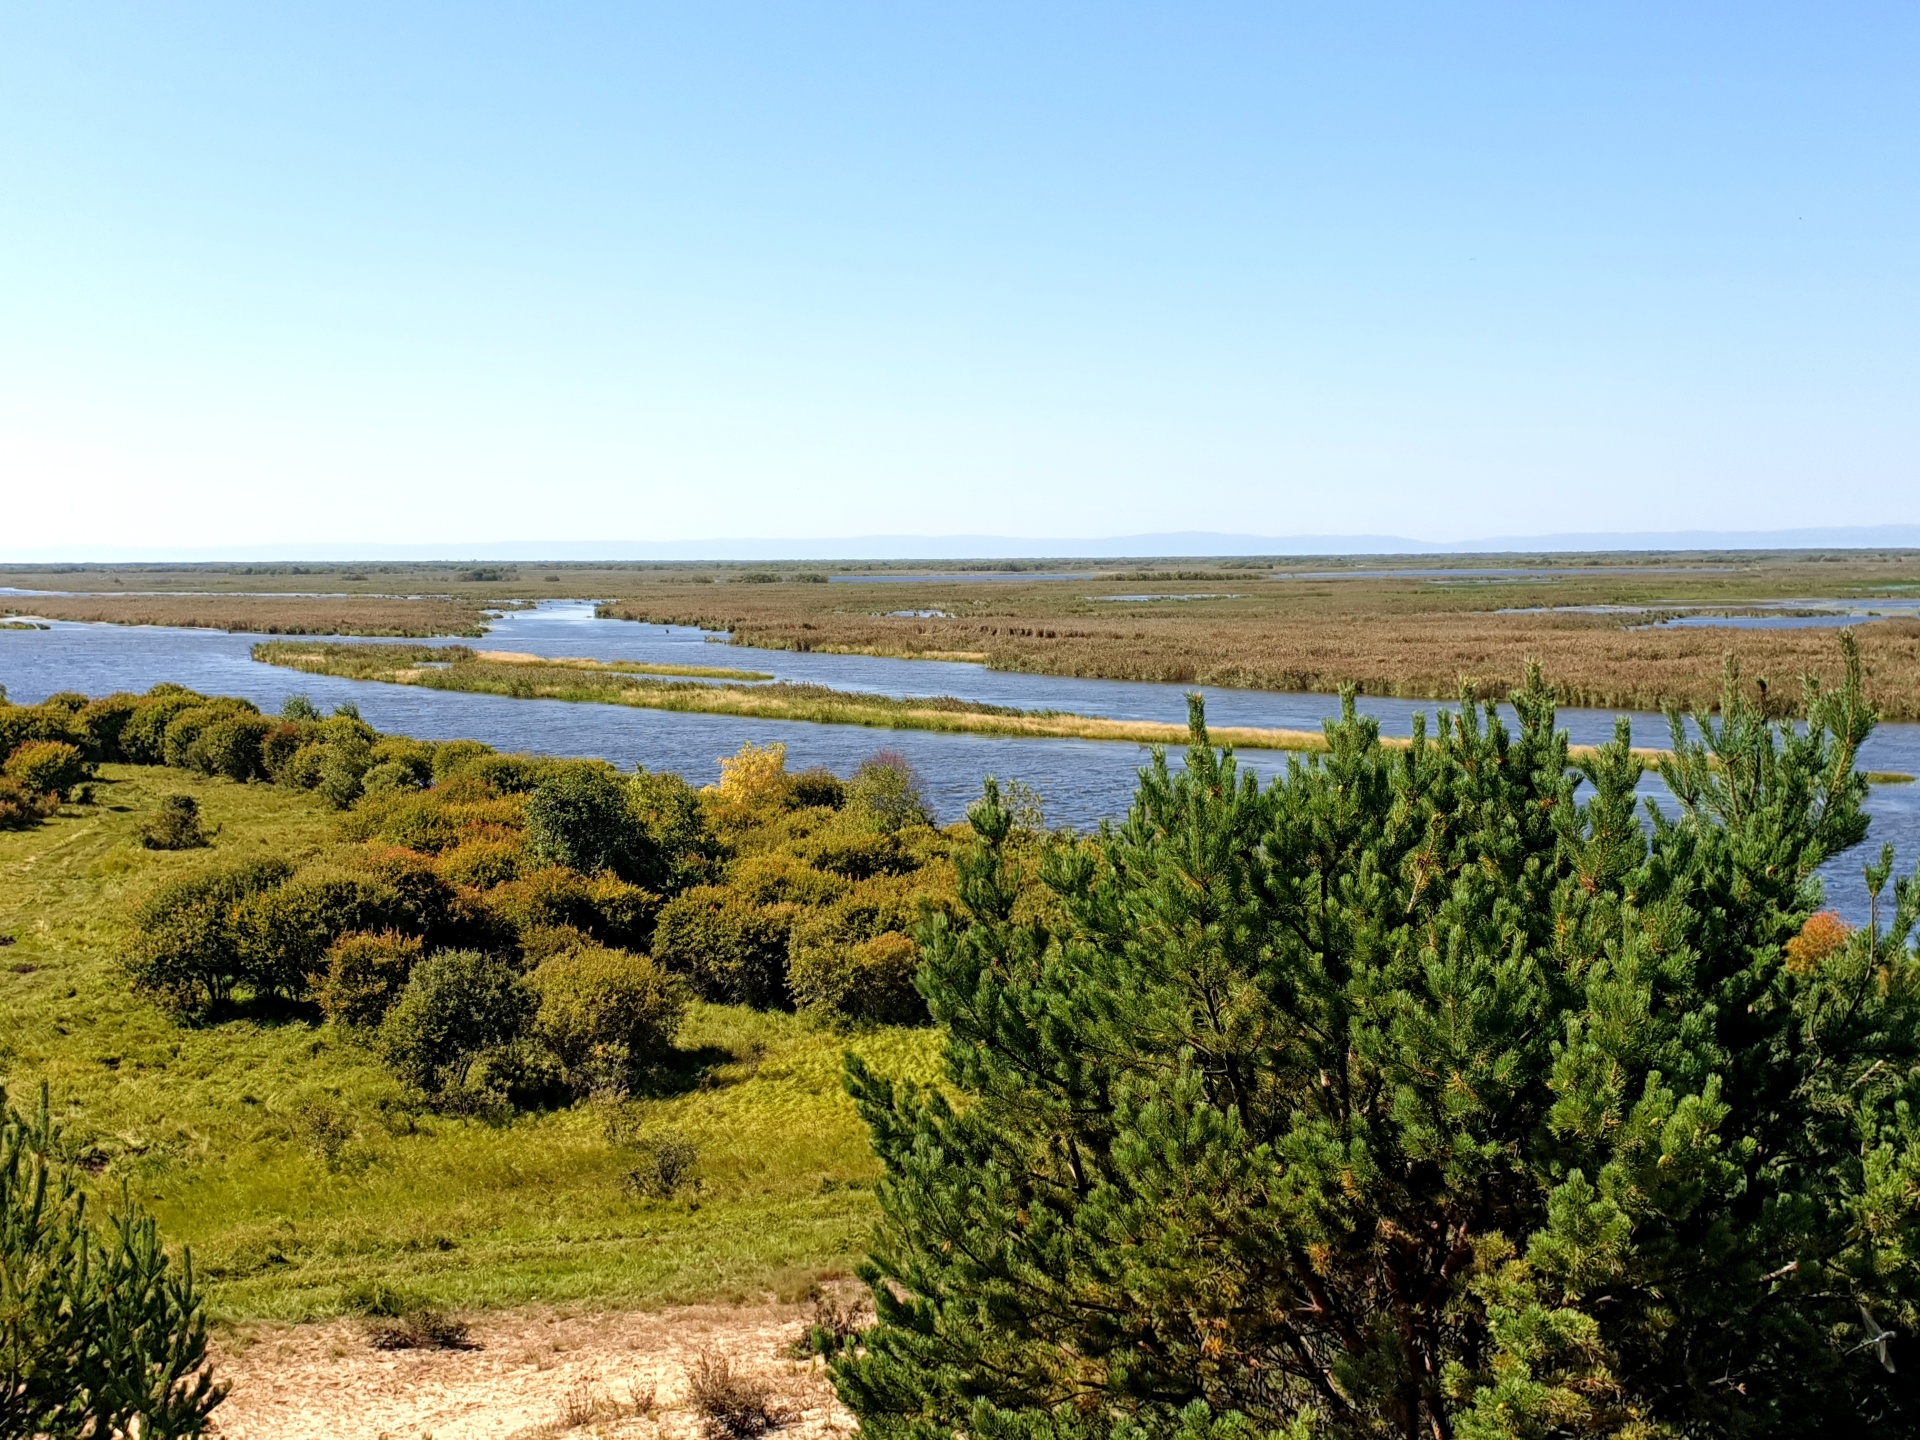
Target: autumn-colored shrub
1823	936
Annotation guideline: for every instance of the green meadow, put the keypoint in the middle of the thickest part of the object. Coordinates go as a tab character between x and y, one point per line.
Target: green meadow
295	1167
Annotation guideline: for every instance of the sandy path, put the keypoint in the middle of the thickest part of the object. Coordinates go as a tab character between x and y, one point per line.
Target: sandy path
538	1374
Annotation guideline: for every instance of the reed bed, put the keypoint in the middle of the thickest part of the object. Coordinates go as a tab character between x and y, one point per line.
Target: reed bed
376	615
1417	639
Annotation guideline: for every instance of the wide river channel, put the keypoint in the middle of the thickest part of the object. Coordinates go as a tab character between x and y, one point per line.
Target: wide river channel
1081	782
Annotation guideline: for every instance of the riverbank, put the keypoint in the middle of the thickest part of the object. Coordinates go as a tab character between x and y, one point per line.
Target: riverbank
533	677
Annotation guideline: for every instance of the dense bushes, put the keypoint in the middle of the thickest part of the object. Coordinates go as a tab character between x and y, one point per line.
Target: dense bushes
365	975
505	929
579	817
457	1007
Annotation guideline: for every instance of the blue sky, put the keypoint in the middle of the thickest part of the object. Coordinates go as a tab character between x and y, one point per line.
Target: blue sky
407	273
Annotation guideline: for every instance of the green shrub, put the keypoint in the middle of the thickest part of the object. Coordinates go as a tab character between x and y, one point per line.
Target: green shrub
543	942
865	980
608	1015
175	825
505	774
485	863
365	974
682	850
342	767
231	747
455	1005
431	820
856	852
301	769
100	1333
886	792
143	738
47	767
186	948
187	726
778	876
452	757
388	775
414	759
818	788
283	933
551	895
578	816
20	724
296	708
429	906
623	914
102	721
731	949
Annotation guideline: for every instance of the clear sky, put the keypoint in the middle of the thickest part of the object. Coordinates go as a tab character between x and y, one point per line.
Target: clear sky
404	272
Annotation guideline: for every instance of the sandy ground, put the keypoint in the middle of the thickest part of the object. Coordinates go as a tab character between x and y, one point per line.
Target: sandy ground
537	1375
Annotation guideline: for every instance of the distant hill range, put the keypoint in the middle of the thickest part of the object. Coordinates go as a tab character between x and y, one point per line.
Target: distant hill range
1169	545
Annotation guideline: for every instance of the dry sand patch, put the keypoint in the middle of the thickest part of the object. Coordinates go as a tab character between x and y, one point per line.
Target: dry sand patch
535	1374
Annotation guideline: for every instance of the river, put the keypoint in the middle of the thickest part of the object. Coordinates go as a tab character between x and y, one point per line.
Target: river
1081	782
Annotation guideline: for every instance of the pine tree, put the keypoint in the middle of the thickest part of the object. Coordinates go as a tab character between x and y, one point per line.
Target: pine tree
1424	1092
100	1333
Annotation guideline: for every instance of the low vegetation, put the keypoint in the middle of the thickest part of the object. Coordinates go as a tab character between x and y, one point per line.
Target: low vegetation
267	614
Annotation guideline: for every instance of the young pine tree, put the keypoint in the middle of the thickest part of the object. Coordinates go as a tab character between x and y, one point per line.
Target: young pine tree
1426	1092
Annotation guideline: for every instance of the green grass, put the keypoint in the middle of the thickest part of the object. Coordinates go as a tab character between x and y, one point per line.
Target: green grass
222	1130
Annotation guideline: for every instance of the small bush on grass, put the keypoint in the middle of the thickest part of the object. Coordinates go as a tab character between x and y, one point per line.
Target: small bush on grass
47	767
455	1005
607	1015
175	825
20	808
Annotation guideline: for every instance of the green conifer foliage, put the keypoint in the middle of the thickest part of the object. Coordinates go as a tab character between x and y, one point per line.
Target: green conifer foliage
100	1334
1425	1092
